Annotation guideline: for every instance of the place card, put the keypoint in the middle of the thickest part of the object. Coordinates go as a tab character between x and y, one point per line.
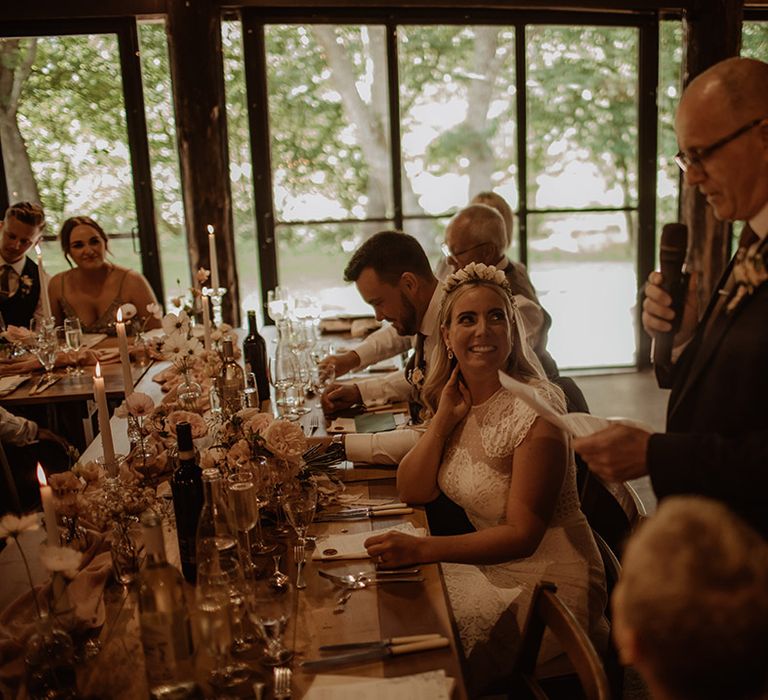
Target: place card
12	382
351	546
432	684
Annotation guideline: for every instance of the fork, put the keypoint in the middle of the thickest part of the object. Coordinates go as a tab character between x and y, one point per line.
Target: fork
314	424
282	682
299	554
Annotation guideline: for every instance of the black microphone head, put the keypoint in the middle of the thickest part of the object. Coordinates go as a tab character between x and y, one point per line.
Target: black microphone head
674	244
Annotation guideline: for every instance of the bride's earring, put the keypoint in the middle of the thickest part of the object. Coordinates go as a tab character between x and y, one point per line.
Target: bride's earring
450	354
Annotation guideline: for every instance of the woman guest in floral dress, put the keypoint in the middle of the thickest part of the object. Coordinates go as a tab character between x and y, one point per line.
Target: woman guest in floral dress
95	288
511	471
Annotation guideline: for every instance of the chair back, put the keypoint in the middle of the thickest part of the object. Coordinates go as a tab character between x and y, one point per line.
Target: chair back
612	510
549	612
12	494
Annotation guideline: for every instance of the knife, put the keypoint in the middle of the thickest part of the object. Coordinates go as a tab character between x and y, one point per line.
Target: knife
362	514
381	643
373	654
40	389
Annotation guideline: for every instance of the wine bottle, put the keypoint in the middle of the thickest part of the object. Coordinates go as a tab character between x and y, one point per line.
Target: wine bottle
231	380
187	490
166	634
255	357
216	534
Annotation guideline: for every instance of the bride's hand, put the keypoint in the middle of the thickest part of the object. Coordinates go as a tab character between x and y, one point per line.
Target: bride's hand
455	401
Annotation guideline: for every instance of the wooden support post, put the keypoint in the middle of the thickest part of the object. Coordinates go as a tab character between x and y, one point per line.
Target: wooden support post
197	70
712	33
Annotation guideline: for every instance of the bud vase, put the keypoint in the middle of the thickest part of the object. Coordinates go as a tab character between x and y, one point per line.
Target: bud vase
49	656
188	392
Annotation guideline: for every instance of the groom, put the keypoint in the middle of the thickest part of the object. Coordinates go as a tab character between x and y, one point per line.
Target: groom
716	442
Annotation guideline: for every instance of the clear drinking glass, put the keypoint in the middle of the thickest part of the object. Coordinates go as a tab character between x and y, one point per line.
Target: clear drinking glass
74	338
45	349
270	610
299	506
245	512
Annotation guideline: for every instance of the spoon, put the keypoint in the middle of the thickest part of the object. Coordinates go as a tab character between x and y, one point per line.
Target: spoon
278	580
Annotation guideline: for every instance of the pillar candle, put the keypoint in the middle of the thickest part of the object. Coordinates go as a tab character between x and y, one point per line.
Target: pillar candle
100	395
44	298
125	358
214	259
46	497
206	322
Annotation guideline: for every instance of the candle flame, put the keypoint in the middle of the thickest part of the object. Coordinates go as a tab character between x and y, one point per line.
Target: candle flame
98	370
41	476
119	315
210	229
38	249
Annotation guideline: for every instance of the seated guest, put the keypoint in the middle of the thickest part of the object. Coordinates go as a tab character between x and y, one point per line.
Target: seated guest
95	288
511	471
21	228
26	444
691	607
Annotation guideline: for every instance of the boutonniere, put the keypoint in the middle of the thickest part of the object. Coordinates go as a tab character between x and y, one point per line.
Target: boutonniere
416	377
749	272
25	285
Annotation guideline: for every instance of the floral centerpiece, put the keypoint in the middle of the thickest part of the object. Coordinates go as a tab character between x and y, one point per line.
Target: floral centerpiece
189	302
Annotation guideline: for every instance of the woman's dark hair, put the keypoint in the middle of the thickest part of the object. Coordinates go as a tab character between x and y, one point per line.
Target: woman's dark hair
68	226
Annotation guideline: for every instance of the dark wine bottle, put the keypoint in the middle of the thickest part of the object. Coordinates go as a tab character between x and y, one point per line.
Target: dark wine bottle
255	357
187	489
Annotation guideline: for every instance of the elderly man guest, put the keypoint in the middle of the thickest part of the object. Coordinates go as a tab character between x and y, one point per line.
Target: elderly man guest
691	609
716	442
21	228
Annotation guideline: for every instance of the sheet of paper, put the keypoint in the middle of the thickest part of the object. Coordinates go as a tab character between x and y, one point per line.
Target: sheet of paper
8	384
576	424
351	546
434	685
91	339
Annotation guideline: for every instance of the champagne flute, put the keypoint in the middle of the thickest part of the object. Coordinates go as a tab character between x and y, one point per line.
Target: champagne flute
299	506
245	511
74	337
270	610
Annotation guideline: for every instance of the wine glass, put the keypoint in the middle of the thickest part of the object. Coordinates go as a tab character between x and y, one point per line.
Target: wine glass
245	511
263	482
45	349
299	506
74	337
214	622
270	610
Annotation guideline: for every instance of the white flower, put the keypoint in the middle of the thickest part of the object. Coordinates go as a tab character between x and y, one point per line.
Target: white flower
129	311
174	345
177	302
122	410
12	525
61	559
176	323
477	271
139	404
154	309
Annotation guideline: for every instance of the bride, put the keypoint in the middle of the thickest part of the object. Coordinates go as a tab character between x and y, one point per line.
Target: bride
511	471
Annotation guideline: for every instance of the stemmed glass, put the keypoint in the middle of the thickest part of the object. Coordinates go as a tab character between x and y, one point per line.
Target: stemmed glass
245	511
263	482
270	610
45	347
74	336
279	476
299	506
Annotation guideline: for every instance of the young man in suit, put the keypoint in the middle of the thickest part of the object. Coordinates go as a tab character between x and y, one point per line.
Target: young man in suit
21	228
716	442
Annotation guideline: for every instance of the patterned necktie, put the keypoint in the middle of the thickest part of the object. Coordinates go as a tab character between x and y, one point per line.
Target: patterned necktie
417	361
5	281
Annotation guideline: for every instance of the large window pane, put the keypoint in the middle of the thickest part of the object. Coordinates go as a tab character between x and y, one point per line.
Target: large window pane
754	40
66	143
164	159
582	268
457	103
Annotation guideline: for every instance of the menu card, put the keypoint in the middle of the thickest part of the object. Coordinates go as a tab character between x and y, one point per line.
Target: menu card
351	546
432	685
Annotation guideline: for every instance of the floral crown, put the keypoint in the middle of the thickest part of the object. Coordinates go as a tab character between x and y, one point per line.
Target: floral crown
475	272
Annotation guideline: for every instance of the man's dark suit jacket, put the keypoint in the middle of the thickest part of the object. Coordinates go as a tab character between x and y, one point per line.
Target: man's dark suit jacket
716	442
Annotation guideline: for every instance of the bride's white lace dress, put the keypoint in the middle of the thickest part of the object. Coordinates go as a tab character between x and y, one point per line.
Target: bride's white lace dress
490	602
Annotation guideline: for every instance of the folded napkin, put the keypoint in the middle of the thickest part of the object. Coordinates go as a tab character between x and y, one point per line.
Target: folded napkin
17	621
10	383
351	546
434	685
83	357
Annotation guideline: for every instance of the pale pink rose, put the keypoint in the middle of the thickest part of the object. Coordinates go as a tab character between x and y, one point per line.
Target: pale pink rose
90	471
239	452
199	428
139	404
285	440
211	458
64	482
259	423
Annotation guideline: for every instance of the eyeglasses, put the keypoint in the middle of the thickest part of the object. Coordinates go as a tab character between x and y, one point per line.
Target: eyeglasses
695	157
455	256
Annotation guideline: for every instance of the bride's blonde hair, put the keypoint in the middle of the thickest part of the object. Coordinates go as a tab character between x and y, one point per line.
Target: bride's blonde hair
520	364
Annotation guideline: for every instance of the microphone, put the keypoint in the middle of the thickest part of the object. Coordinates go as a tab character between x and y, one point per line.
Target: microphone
672	253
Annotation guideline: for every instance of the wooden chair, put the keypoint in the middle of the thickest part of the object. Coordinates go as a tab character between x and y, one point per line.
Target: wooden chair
612	510
613	668
548	611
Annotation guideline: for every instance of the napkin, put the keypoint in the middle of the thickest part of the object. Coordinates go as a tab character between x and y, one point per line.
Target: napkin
91	339
432	685
84	357
351	546
9	384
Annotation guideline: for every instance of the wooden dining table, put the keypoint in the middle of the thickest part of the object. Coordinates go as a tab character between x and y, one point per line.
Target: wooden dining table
373	613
